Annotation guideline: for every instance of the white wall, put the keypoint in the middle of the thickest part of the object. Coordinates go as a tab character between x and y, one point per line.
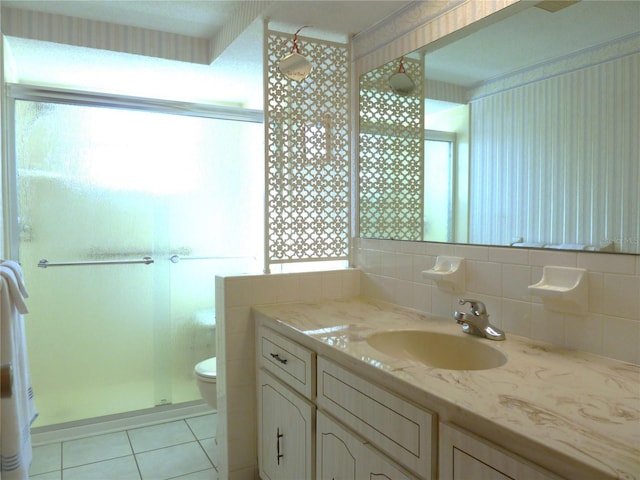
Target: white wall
237	402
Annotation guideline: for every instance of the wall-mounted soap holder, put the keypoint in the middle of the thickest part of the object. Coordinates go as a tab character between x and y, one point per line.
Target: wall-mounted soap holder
448	273
563	289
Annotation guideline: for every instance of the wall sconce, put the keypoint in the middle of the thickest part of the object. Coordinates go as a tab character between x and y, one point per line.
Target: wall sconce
400	82
295	66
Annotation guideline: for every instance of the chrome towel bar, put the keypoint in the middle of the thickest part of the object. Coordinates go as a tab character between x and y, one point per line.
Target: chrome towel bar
177	258
44	263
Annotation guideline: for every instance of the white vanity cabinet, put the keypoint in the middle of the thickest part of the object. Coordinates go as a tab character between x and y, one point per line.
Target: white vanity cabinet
465	456
320	420
286	419
341	455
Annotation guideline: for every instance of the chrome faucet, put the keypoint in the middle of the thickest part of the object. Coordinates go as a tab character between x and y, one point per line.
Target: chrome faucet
477	321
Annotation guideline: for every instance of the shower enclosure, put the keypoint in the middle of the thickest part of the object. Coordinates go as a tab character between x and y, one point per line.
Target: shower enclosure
125	211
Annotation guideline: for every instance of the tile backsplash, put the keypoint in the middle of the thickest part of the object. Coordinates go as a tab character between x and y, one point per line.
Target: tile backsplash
392	271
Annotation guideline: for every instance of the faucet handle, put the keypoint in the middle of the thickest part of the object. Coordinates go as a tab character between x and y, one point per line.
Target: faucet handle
477	307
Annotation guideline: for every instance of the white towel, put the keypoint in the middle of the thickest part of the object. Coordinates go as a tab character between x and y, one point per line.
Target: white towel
17	271
18	411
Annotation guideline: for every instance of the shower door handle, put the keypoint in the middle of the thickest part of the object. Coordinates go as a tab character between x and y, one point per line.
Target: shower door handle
175	258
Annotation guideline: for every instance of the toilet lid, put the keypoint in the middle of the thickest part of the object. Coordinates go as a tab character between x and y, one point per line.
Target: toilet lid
207	368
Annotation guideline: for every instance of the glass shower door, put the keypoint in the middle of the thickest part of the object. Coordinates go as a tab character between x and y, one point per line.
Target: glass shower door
128	209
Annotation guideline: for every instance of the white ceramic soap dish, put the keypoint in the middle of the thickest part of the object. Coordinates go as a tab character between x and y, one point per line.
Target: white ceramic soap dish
448	273
562	289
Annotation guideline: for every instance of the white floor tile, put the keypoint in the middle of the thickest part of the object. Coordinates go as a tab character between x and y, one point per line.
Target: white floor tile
94	449
209	474
172	461
159	436
203	426
210	447
46	458
57	475
123	468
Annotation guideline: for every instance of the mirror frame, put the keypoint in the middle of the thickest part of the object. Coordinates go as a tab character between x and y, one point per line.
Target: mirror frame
481	23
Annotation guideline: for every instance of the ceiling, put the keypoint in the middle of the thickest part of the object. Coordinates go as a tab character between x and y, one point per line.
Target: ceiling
531	37
234	77
203	18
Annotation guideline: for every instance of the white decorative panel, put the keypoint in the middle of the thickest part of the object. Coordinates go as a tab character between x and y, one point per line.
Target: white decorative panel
391	157
570	144
308	138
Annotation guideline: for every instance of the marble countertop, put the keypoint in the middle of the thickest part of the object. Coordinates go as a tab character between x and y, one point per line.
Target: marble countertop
574	413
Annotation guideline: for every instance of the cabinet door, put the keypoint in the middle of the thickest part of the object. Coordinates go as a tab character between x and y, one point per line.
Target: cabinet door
464	456
336	451
342	455
373	465
285	432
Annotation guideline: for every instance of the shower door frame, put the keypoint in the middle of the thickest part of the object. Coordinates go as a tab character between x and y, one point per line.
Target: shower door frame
15	92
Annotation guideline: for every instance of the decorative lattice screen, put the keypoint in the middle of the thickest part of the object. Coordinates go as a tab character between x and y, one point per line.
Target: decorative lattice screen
308	142
391	157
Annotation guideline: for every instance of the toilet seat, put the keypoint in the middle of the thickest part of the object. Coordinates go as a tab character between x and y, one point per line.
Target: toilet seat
207	370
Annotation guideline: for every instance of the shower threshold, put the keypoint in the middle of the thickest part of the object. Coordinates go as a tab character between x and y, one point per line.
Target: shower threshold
111	423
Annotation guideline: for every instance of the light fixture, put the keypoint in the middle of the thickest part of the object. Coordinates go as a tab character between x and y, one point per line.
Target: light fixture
295	66
400	82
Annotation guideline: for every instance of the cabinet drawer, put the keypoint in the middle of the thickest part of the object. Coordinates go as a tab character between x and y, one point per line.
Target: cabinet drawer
288	361
342	455
395	426
464	455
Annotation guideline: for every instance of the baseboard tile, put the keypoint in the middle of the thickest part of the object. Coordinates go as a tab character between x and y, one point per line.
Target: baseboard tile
111	423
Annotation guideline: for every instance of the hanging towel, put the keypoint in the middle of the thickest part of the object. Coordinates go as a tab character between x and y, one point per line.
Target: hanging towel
18	411
17	271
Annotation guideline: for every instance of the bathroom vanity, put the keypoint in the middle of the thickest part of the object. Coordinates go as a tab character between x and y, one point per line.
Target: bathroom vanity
331	406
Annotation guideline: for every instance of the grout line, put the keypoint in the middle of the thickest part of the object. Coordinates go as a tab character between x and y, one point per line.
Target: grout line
133	453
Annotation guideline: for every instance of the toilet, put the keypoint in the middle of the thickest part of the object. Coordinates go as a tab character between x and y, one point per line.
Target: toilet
207	384
206	376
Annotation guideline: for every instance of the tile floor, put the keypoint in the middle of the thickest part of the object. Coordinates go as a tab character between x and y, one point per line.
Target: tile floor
180	449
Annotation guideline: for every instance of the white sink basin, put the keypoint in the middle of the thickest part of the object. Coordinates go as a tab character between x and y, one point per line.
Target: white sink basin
438	350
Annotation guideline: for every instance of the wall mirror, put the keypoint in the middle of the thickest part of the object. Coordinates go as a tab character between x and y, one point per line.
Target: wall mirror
523	132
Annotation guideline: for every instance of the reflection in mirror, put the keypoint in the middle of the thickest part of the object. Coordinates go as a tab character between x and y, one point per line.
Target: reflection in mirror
391	153
542	112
